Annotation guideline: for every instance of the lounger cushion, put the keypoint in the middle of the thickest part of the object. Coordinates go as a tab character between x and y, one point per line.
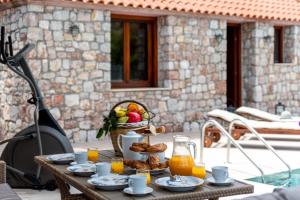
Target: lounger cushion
264	115
229	116
6	193
278	194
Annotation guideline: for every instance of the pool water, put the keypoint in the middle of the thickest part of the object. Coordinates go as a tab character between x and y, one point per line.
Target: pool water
280	179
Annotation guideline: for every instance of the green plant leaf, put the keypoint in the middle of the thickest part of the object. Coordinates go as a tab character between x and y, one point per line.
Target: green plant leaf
100	133
110	123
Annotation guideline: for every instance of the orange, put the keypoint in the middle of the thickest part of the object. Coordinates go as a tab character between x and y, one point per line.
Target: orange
141	111
133	107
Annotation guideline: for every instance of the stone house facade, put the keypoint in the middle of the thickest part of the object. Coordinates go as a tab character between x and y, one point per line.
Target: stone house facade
75	71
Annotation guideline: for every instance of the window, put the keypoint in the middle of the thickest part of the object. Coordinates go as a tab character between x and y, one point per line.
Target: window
133	51
278	44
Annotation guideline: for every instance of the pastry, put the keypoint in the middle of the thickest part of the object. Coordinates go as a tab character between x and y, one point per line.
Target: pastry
137	149
141	144
157	148
153	159
137	164
128	162
163	165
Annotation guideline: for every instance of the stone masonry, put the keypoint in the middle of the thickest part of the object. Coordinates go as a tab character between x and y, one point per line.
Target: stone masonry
74	72
266	83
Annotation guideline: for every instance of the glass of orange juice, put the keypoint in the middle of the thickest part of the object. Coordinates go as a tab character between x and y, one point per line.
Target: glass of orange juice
117	165
93	154
145	173
199	171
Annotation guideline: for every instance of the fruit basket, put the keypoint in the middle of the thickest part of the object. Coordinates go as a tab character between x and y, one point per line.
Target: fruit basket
133	117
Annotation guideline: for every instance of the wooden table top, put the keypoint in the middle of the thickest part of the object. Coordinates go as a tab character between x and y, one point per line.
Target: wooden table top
206	191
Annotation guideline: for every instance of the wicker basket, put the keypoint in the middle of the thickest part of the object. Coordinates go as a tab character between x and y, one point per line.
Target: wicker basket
123	129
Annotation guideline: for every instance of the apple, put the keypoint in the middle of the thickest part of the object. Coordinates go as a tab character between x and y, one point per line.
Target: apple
123	119
134	117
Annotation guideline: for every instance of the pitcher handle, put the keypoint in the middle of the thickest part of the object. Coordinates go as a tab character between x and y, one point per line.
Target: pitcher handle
193	144
118	142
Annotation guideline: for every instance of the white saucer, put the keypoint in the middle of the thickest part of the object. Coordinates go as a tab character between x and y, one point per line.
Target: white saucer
187	183
96	175
75	163
129	191
212	181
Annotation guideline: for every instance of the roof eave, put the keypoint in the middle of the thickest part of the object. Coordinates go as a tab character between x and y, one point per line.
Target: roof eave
142	11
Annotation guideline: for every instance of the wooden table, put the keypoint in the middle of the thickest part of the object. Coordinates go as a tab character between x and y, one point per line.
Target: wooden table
64	178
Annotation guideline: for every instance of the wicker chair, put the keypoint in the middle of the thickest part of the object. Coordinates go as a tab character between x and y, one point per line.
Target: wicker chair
2	172
6	193
5	190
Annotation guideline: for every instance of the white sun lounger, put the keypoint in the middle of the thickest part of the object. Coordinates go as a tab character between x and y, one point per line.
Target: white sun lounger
291	127
263	115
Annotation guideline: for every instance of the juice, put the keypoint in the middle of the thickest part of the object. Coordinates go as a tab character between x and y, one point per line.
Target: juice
117	167
199	171
93	154
181	165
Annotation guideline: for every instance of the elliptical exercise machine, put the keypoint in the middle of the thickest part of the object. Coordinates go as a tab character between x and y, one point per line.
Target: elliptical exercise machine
42	138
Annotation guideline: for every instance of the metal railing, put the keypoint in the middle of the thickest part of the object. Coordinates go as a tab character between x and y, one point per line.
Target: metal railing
212	122
259	137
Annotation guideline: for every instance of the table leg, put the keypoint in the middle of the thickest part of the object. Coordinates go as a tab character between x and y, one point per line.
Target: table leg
65	191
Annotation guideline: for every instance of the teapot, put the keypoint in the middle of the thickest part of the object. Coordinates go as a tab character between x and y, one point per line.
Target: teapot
182	162
125	141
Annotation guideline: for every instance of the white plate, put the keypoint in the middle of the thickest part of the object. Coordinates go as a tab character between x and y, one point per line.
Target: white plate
212	181
62	159
109	182
75	163
133	125
82	169
129	191
96	175
189	183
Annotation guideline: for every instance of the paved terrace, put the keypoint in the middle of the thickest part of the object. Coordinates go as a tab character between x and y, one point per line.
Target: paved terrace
240	168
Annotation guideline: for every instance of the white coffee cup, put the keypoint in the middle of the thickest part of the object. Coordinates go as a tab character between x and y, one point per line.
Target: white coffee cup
81	157
103	168
220	173
138	183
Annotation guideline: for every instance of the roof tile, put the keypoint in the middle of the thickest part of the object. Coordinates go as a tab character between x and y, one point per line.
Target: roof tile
255	9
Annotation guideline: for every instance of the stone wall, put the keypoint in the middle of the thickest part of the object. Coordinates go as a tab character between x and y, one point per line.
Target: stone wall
74	72
12	89
266	83
192	69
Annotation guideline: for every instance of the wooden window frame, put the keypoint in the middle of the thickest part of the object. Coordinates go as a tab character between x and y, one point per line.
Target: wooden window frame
151	53
280	43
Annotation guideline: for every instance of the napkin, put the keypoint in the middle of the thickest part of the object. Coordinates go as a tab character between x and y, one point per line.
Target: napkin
83	168
182	182
57	157
110	180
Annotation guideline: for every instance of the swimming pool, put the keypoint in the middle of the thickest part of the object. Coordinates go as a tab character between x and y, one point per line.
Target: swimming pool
280	179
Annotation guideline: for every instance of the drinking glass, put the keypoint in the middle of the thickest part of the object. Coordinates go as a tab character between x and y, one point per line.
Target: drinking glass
145	173
93	154
117	165
199	170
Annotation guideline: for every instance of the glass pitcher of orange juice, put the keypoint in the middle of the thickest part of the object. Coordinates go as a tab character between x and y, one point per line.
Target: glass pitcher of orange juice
182	162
